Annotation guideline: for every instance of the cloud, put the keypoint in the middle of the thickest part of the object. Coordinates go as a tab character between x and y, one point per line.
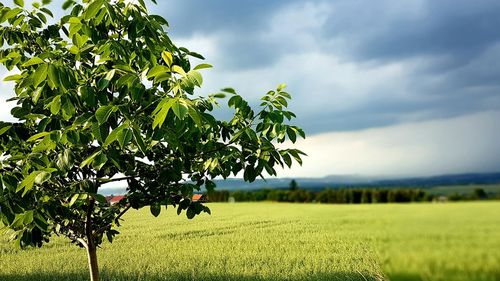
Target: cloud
456	145
352	64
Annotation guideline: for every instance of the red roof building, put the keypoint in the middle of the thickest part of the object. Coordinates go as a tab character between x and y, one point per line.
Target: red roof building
115	199
199	198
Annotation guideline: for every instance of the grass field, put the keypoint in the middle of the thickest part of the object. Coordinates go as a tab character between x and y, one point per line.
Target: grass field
272	241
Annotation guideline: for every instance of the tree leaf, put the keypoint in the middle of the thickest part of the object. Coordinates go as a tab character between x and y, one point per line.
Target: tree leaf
4	128
102	113
28	182
40	74
37	136
163	112
114	135
73	199
124	137
99	161
155	209
89	160
157	70
178	69
55	105
33	61
104	82
202	66
180	109
138	140
65	160
93	9
167	57
19	3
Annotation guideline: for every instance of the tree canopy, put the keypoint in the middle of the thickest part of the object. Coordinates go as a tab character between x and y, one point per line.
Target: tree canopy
102	94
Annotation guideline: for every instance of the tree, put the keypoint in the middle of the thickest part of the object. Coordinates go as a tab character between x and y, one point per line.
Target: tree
103	95
293	185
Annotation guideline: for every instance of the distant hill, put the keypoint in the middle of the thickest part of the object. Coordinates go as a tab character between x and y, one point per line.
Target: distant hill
346	181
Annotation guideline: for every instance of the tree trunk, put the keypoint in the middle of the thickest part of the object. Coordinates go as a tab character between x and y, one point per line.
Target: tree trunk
92	257
91	247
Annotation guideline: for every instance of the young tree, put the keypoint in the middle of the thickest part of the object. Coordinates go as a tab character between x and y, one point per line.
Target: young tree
103	95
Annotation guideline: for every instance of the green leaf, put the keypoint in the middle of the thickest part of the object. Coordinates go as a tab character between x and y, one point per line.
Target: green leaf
99	161
19	3
202	66
163	111
102	113
37	136
28	217
89	160
42	177
53	76
28	182
180	109
65	160
104	82
195	115
114	134
195	77
67	4
55	105
68	109
93	9
167	57
190	213
178	69
155	209
33	61
157	70
291	134
281	87
40	75
138	140
124	137
4	128
73	199
14	77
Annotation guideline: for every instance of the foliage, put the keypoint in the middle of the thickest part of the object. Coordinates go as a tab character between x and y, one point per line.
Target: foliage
104	95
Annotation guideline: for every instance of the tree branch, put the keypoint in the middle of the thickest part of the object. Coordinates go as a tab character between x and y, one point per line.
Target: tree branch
122	213
83	242
104	181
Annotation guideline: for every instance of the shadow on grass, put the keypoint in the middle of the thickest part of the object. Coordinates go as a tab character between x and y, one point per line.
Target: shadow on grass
116	276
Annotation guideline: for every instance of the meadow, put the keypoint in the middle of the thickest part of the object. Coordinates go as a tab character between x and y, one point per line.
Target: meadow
281	241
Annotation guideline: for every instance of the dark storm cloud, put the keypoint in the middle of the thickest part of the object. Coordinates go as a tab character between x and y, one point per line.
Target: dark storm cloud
335	55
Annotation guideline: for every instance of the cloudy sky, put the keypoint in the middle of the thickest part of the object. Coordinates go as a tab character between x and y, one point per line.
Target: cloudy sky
383	87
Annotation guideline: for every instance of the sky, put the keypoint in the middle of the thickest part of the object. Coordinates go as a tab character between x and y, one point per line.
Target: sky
383	87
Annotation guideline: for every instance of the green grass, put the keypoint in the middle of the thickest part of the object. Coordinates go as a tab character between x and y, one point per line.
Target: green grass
272	241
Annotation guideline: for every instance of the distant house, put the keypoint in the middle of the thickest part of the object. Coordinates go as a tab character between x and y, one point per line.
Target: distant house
202	198
113	199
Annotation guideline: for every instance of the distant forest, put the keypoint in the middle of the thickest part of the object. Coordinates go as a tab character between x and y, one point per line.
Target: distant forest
345	195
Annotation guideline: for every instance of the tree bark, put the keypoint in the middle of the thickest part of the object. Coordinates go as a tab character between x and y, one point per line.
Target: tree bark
92	257
91	247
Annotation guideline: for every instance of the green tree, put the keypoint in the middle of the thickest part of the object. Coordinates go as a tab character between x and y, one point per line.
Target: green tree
293	185
103	95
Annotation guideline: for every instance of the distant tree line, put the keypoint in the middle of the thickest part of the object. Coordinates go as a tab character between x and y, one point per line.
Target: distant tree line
341	196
